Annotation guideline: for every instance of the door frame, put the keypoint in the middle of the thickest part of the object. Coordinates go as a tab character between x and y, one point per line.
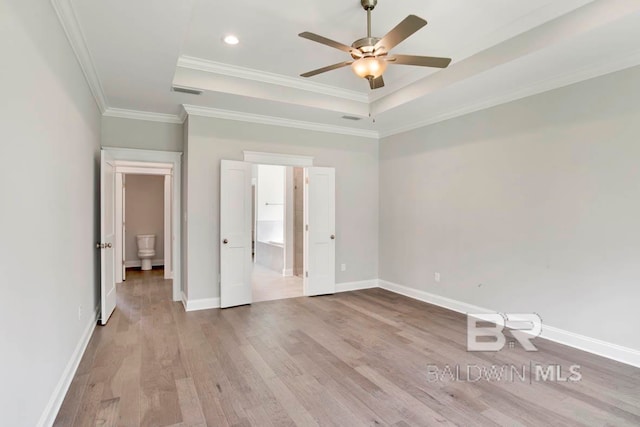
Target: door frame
124	168
138	161
288	160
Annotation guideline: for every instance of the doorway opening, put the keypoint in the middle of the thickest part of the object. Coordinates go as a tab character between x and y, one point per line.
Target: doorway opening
250	241
277	232
116	166
143	223
143	218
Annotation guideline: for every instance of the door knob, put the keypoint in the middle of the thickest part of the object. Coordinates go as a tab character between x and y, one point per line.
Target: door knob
225	241
333	237
108	245
99	246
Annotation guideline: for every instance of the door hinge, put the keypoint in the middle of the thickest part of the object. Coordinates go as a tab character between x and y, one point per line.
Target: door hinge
306	227
306	180
306	274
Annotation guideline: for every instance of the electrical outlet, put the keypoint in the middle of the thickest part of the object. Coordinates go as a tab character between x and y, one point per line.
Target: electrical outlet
436	277
80	312
343	267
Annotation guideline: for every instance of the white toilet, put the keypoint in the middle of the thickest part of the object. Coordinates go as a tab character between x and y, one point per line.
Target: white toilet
146	249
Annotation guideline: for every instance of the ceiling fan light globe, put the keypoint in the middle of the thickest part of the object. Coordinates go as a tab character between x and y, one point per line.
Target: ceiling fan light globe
369	67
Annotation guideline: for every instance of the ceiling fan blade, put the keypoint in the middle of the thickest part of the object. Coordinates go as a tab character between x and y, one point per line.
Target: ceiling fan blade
421	61
323	40
402	31
328	68
376	83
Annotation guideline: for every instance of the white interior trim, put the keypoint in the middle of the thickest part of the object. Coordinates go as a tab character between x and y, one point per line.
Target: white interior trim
143	115
119	218
279	159
217	113
168	240
220	68
123	155
71	26
538	87
50	412
356	286
581	342
199	304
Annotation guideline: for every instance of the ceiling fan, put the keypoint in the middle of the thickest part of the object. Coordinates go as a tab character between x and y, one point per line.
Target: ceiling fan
371	54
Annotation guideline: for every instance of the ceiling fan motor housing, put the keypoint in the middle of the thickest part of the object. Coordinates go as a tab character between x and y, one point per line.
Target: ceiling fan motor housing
365	45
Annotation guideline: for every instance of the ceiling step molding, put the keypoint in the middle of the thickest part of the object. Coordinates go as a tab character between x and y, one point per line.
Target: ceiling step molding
277	121
556	82
270	78
145	115
71	26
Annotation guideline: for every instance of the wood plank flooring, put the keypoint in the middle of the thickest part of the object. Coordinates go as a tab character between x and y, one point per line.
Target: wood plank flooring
268	285
352	359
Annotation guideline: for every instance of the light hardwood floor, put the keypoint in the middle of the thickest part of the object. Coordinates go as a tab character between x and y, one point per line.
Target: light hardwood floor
268	285
351	359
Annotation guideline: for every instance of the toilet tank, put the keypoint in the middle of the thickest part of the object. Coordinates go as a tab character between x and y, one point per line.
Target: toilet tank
146	241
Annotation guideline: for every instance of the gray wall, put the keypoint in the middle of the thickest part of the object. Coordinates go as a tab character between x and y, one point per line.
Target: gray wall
141	134
49	144
144	213
537	200
356	162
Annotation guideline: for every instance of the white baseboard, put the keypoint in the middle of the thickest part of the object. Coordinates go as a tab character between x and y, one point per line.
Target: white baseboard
137	263
287	272
199	304
355	286
50	412
581	342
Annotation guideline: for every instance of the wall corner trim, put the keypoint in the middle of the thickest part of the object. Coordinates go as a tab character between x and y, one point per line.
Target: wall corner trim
611	351
50	412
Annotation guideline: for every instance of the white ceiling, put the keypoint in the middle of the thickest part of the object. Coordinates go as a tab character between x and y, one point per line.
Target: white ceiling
133	52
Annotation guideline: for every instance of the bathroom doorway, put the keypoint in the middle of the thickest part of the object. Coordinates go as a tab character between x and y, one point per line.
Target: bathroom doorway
277	232
115	164
143	213
143	223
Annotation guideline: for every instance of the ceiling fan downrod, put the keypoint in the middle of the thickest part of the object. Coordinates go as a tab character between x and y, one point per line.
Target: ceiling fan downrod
368	5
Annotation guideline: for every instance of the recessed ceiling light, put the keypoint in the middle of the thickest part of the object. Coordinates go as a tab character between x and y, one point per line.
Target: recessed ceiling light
231	39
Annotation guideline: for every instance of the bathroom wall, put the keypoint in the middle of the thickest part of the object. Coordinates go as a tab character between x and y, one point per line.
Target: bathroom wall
270	209
144	214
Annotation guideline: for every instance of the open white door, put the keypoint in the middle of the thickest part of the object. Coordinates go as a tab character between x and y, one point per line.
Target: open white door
235	233
107	236
320	238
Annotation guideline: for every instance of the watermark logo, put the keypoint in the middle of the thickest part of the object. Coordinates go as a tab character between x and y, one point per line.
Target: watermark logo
485	331
509	373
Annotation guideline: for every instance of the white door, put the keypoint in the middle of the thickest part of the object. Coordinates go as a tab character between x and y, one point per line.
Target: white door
107	236
235	233
320	237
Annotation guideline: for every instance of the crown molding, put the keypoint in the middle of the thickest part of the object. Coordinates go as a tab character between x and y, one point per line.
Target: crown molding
541	86
206	65
193	110
144	115
71	27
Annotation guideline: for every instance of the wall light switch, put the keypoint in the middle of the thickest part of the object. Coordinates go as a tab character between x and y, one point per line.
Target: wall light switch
436	277
343	267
